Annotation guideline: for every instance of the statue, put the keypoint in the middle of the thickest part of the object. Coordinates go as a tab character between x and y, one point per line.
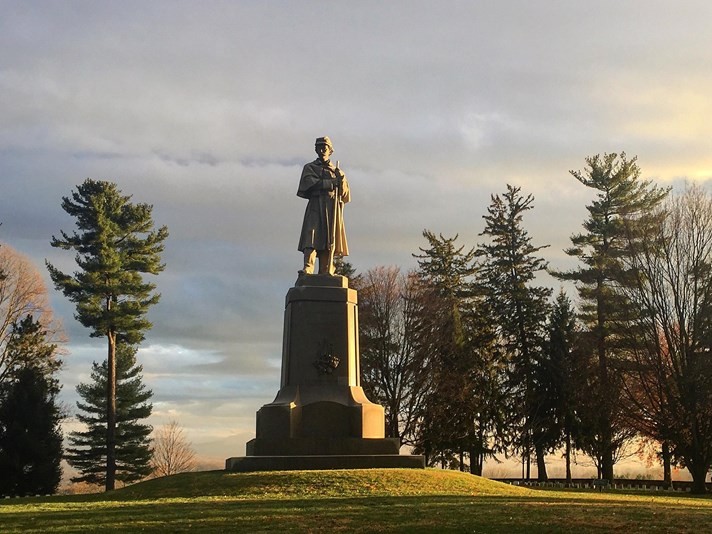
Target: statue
326	188
321	417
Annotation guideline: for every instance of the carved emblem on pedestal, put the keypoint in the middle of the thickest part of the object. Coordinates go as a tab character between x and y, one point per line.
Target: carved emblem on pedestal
327	361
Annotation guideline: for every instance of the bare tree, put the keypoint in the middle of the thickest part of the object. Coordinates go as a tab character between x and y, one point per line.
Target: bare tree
669	370
172	452
22	294
391	375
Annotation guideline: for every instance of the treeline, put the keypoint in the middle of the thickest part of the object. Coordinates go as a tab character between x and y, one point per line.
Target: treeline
473	356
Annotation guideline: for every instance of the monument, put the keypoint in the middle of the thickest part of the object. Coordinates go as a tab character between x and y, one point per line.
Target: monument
321	418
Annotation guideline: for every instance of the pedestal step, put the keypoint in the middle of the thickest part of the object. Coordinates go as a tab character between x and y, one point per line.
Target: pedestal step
296	463
323	447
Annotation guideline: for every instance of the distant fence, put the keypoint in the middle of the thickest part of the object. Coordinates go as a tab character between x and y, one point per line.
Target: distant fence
616	483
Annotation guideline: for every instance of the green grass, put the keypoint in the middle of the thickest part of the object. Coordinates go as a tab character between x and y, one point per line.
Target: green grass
387	500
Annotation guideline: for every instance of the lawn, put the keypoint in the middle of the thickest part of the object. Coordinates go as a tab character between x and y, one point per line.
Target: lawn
386	500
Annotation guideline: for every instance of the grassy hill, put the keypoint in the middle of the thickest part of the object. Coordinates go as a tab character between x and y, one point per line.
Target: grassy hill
319	484
386	500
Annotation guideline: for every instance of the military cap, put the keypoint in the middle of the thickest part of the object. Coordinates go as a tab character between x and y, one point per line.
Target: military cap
324	141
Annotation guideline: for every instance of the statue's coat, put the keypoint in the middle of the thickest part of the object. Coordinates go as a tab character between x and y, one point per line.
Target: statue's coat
317	184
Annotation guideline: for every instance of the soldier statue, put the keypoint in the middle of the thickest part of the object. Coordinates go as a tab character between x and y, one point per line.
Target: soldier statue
327	190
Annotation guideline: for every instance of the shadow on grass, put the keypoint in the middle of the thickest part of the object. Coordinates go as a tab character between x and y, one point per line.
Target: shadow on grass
495	514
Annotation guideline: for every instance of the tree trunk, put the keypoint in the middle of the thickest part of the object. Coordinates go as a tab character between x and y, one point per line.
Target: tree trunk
392	430
477	457
698	470
462	460
568	458
528	454
607	466
540	464
667	470
604	385
475	462
111	413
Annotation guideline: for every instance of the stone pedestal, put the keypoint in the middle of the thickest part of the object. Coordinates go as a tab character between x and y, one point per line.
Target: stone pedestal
321	418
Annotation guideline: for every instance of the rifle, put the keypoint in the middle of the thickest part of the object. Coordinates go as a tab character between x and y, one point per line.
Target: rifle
337	199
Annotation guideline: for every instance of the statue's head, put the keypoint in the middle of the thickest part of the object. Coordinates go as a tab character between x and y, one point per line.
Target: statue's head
323	147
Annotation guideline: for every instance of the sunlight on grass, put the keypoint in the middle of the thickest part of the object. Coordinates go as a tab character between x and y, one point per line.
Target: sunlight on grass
387	500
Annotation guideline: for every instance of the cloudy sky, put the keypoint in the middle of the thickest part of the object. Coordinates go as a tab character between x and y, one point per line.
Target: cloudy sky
208	110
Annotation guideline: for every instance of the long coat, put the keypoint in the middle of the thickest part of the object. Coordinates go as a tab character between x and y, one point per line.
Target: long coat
317	184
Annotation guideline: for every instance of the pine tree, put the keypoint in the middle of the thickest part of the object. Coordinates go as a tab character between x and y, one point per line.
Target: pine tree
115	246
30	433
489	396
344	268
519	308
443	348
87	451
564	370
464	410
623	200
28	346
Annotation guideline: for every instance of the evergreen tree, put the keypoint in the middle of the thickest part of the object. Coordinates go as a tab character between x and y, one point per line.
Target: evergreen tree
87	451
487	417
115	246
450	347
344	268
622	203
28	346
564	372
509	265
30	433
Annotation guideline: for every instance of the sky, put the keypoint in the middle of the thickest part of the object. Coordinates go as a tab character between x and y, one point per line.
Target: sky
208	111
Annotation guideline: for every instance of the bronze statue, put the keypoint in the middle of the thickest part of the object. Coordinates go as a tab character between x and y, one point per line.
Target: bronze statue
323	232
